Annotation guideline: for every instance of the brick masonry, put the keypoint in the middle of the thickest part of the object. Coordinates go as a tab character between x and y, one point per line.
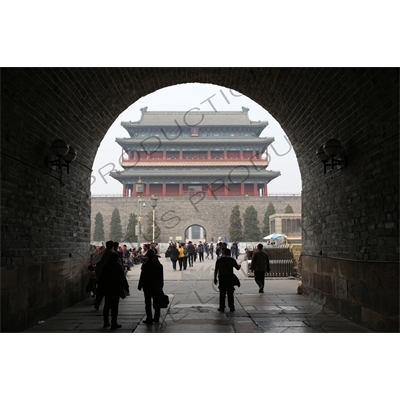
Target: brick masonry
349	214
176	214
364	292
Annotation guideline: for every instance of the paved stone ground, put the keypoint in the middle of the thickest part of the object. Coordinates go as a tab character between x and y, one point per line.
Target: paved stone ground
194	303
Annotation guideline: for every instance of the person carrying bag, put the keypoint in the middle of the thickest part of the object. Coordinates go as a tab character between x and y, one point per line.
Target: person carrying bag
224	274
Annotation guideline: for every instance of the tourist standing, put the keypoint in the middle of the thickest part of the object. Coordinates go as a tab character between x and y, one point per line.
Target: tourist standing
212	250
112	283
222	246
181	256
152	282
207	248
100	262
223	275
200	251
234	250
260	265
173	255
191	253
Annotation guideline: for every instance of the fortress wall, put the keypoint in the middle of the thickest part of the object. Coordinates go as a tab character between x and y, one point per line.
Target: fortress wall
176	214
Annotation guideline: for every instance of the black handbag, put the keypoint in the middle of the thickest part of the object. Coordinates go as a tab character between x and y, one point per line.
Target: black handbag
164	300
235	281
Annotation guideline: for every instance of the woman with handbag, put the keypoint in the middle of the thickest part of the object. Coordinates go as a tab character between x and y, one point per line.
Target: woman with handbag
113	284
224	271
152	282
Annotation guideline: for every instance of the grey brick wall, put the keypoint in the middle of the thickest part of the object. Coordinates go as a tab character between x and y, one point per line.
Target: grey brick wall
347	214
176	214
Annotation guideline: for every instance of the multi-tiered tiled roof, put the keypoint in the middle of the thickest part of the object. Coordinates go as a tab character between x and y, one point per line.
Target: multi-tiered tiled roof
169	148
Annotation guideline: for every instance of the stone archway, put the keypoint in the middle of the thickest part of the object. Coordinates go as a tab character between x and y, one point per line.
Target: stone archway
196	232
349	216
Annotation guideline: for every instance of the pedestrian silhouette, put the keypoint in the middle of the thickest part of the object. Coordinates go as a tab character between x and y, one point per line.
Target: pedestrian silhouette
152	282
224	271
112	283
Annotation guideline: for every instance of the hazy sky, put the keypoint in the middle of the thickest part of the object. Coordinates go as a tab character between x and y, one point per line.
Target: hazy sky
183	98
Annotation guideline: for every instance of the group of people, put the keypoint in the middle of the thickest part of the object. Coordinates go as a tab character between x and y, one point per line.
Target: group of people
130	257
184	255
111	283
223	273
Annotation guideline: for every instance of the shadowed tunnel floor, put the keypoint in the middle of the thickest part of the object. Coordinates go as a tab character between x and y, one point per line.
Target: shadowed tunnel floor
194	301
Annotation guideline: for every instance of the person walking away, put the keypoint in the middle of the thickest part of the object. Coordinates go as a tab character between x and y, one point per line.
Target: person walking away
126	257
168	252
217	249
212	250
222	247
173	255
190	252
181	256
200	251
185	259
195	253
152	282
100	262
234	250
207	248
223	275
260	265
112	283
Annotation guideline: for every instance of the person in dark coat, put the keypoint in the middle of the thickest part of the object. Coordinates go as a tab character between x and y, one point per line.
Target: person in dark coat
152	282
112	282
260	265
101	260
174	255
224	271
191	253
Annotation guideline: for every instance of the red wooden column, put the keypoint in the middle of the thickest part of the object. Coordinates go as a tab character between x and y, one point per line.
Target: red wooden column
164	189
242	188
208	154
265	189
123	190
225	154
147	191
226	190
181	154
180	189
241	154
255	189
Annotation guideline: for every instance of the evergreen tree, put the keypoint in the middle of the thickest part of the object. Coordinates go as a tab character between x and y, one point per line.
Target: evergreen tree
115	226
251	231
289	209
130	235
235	227
270	211
98	234
148	232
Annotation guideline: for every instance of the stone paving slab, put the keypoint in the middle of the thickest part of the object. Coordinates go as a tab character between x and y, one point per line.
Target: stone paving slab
246	327
194	328
194	300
